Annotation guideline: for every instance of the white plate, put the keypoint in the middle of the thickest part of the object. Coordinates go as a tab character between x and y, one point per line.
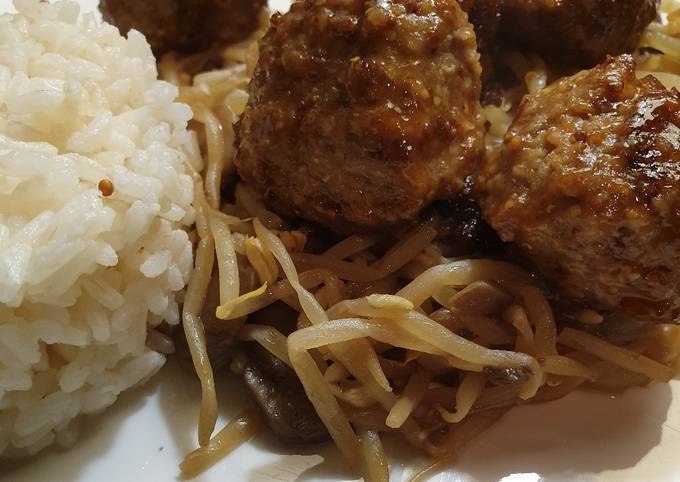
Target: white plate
585	437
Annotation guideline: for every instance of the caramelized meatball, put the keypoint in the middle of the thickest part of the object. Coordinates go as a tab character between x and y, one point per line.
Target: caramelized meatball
589	186
485	16
577	33
184	25
362	112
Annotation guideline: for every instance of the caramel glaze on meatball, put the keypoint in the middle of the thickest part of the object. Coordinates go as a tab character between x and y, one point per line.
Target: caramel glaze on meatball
184	25
485	16
589	186
577	33
362	112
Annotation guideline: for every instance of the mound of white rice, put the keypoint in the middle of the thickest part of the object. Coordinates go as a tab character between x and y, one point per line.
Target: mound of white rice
84	273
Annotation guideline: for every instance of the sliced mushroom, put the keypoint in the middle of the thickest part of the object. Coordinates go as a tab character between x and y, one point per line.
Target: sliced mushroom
281	398
507	376
481	298
461	229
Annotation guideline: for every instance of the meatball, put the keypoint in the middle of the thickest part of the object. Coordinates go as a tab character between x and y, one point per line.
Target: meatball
588	185
362	112
184	25
577	33
485	16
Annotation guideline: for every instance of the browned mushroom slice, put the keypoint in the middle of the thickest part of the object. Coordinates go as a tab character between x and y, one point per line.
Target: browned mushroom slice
282	399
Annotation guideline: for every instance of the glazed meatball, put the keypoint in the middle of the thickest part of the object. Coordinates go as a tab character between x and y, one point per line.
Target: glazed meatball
184	25
588	185
362	112
485	16
577	33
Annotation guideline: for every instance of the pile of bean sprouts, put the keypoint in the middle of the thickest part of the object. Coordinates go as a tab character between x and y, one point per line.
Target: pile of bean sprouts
406	341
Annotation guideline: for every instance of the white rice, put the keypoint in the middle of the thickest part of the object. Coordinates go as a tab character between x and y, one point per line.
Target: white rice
83	276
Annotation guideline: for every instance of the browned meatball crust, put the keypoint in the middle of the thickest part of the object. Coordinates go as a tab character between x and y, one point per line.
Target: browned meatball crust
576	32
589	186
362	112
184	25
485	16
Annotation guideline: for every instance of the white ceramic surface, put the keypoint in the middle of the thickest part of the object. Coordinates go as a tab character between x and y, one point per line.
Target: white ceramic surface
586	437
